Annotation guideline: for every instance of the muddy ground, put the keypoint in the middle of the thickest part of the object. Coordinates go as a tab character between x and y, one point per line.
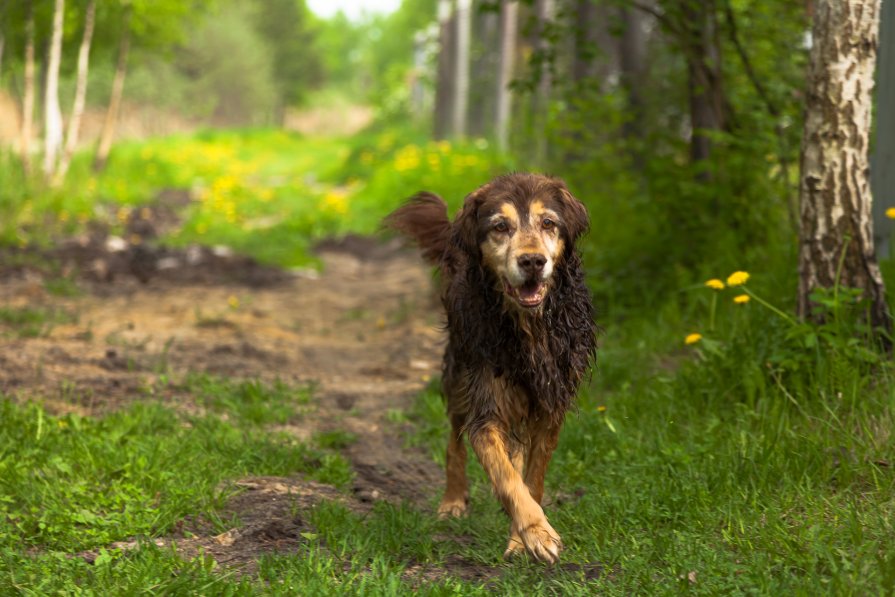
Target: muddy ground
364	330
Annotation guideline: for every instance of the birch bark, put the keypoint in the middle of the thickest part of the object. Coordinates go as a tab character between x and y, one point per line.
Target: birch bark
77	110
111	121
834	188
52	111
509	17
28	93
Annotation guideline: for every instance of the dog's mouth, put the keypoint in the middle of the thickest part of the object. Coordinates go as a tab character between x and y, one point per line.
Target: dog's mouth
529	295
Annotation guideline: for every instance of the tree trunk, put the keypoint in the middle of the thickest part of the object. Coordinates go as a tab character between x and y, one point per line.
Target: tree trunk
28	94
77	109
509	14
582	41
460	103
444	84
632	61
544	13
882	170
704	76
836	228
483	72
111	121
52	111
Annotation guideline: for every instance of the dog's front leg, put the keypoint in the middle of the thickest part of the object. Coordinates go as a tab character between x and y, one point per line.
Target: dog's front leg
456	494
544	436
539	538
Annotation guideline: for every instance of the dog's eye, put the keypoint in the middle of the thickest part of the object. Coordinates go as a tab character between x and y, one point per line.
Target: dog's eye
501	227
548	224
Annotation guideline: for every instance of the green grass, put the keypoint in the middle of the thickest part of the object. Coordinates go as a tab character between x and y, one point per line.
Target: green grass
759	460
28	322
264	193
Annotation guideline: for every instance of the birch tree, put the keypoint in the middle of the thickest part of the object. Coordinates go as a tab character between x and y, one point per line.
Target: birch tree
77	110
836	244
444	84
28	92
544	12
509	18
460	103
110	123
52	111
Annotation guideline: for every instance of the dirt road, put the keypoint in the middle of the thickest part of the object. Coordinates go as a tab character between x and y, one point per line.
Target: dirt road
365	331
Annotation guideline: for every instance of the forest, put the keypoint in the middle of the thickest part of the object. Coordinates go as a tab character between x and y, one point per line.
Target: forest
220	373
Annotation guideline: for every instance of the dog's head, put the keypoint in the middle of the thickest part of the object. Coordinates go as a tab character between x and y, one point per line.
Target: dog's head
521	227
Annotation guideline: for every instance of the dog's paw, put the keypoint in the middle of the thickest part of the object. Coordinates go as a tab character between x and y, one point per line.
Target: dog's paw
452	508
515	547
542	542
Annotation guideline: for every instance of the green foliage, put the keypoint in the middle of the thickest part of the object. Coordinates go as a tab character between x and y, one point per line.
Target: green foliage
231	69
286	26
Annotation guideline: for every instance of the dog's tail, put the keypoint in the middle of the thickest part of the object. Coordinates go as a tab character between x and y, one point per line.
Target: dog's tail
424	219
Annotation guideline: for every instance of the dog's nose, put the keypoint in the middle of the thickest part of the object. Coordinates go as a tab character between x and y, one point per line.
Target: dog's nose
531	263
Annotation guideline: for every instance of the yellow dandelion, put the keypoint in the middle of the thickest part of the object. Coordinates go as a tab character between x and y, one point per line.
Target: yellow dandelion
737	278
890	213
715	284
741	299
233	302
601	409
692	338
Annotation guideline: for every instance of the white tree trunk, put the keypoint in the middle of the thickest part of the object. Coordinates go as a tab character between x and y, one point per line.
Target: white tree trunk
461	68
111	121
834	189
28	94
544	11
77	110
509	17
52	112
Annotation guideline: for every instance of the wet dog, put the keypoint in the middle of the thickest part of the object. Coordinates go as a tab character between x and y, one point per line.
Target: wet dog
521	336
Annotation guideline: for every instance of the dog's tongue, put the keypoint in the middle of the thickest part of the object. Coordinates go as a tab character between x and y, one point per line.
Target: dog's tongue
529	290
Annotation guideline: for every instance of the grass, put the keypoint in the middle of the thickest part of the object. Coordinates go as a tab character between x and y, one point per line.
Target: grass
758	460
28	322
264	193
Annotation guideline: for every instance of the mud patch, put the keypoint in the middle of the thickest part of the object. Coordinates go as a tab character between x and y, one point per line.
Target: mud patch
270	514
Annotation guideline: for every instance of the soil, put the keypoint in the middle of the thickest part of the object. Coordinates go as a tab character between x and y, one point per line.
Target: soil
365	331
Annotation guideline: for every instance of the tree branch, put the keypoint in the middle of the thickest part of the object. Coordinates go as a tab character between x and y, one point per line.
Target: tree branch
747	64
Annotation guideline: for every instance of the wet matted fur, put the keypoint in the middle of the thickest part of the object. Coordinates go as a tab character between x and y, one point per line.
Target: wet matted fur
521	336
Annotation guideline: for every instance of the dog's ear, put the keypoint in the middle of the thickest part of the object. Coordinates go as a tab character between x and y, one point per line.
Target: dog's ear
574	213
465	232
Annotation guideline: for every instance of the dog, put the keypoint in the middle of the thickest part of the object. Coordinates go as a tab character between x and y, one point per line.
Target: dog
521	337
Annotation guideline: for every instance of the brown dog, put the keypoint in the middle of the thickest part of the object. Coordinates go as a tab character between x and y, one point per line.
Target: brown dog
521	336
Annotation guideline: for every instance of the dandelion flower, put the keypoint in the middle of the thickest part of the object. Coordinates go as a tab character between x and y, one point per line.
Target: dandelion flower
692	338
890	213
741	299
737	278
601	409
715	284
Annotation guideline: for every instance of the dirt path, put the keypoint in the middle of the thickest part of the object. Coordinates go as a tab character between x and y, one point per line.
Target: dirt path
365	331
